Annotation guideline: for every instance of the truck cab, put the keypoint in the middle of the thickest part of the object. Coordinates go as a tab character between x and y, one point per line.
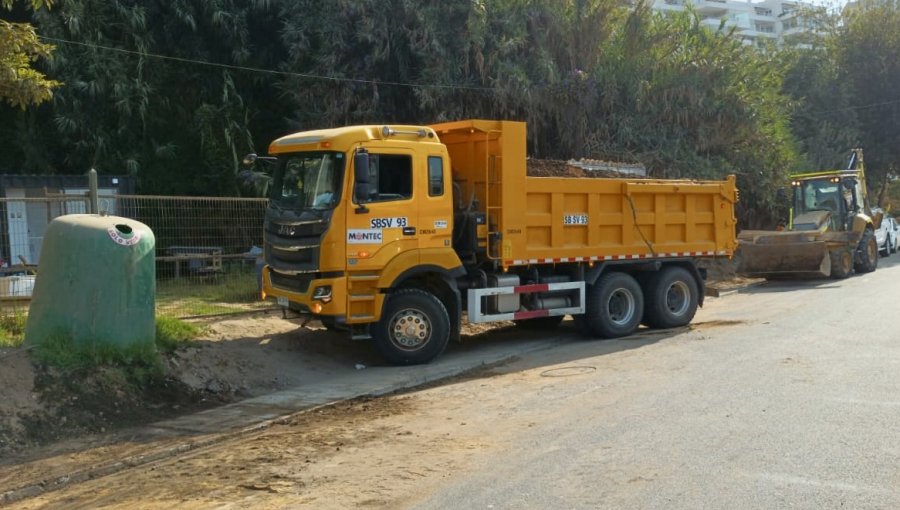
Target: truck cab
352	210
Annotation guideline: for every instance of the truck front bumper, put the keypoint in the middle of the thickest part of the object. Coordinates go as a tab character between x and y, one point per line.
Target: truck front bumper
323	296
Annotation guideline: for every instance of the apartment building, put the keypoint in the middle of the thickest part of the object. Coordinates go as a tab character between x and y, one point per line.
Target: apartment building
755	23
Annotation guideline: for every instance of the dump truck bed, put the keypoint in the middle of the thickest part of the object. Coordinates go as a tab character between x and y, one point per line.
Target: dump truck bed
556	219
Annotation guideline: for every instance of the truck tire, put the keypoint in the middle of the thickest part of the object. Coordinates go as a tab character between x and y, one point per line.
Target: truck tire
414	328
670	298
867	253
841	263
615	306
542	323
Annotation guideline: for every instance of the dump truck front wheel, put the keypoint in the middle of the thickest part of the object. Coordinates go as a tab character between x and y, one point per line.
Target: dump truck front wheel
414	328
867	254
670	298
614	308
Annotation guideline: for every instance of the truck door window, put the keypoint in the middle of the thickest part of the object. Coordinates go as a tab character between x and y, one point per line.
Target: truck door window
435	176
390	177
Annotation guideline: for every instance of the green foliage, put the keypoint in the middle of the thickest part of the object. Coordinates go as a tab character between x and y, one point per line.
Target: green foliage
35	4
845	93
180	127
12	329
866	56
229	293
62	353
891	200
173	333
20	84
824	121
593	78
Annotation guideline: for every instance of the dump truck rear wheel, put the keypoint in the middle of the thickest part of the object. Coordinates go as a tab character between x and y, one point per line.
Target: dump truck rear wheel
542	323
841	264
414	328
615	306
671	297
867	253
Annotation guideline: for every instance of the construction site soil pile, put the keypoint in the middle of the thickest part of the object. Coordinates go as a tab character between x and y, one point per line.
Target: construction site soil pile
559	168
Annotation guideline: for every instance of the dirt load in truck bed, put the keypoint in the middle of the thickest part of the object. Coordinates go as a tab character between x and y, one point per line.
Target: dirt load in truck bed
559	168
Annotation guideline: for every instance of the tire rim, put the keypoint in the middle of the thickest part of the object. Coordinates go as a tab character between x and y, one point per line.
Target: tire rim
620	307
410	329
678	298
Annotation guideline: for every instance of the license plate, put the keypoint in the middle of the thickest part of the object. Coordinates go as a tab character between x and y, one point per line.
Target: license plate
282	301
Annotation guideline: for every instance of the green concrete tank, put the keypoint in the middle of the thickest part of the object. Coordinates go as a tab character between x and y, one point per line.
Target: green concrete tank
96	283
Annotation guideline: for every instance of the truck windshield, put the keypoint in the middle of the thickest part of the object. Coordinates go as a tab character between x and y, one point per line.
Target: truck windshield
308	180
817	195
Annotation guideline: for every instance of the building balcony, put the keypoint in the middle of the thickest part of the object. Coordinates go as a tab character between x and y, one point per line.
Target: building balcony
710	6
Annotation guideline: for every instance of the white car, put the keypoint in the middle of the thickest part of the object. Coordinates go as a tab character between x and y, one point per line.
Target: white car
888	236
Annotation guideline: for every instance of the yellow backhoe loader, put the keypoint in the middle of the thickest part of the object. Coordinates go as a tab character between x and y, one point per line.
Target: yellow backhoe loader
830	232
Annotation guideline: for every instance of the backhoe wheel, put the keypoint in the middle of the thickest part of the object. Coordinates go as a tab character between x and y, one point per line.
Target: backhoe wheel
541	323
414	328
615	306
671	298
841	264
867	253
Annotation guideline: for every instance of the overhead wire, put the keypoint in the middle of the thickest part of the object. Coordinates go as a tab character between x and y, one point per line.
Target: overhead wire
293	74
312	76
860	107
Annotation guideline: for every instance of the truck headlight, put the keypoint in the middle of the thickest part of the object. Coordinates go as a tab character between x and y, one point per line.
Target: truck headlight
322	294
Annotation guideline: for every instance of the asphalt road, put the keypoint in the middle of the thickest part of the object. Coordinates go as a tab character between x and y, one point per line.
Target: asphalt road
783	396
793	401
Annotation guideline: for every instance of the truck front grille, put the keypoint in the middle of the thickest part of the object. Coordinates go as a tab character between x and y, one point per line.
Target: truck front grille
294	283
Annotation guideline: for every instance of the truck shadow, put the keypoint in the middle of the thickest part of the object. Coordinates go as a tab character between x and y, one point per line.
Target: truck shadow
570	347
792	284
549	347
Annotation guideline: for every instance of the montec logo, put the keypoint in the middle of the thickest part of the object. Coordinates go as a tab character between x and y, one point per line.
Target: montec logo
364	236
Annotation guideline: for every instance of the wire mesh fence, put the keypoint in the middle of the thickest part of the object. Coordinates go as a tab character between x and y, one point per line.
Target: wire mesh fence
208	250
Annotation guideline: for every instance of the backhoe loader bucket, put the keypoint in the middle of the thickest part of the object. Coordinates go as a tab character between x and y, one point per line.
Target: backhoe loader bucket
783	254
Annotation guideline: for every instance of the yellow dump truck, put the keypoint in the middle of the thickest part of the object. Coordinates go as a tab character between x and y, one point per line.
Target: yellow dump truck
392	232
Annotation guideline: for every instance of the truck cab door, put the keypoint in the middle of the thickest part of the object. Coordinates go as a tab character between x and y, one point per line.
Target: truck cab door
380	228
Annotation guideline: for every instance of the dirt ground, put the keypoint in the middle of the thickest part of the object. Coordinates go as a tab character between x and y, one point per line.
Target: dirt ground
19	395
297	463
236	358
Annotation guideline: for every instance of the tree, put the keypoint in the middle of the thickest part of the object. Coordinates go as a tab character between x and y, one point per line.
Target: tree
593	78
131	106
866	58
20	84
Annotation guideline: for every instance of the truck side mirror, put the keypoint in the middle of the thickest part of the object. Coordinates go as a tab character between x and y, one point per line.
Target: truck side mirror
361	179
250	159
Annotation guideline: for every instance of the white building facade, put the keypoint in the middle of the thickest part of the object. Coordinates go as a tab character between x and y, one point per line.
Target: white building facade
755	23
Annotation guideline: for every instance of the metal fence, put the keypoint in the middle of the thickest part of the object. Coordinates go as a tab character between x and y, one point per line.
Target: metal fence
207	249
